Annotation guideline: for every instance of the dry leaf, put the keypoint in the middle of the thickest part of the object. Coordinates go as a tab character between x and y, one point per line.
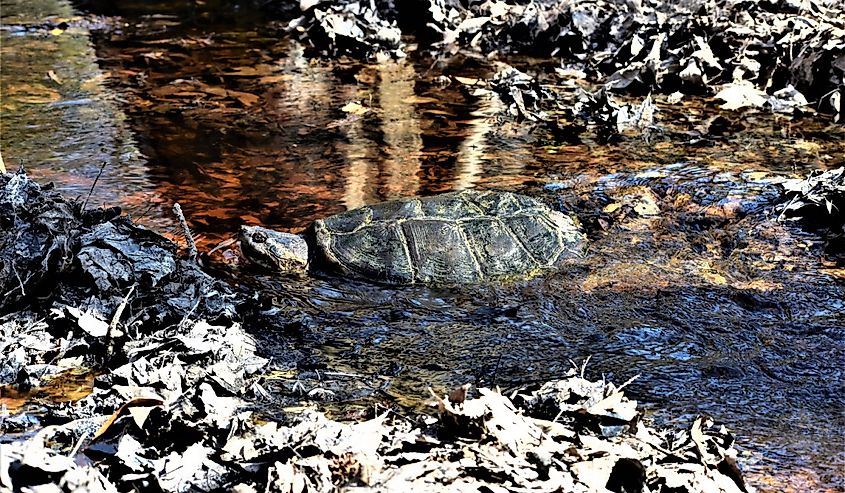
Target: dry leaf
244	98
139	402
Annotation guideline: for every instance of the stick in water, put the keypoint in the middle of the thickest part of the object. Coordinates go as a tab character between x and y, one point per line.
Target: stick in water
192	247
102	167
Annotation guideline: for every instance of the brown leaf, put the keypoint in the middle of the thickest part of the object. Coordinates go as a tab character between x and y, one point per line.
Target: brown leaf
137	402
244	98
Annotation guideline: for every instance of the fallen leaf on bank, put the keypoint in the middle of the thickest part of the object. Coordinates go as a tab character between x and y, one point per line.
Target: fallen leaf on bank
741	95
88	322
139	417
594	473
675	97
141	413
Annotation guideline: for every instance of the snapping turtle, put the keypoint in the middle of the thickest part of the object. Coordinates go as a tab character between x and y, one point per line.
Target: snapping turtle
452	238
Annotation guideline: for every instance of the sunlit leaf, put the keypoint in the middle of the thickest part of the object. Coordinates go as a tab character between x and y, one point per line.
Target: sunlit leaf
355	108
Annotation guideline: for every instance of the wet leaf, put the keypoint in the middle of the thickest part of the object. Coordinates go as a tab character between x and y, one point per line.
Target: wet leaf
244	98
355	108
55	78
251	71
469	81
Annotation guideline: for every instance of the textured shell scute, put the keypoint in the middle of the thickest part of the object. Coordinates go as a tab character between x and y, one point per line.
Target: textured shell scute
452	238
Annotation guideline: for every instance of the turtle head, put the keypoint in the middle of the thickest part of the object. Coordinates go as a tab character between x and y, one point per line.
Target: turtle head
281	252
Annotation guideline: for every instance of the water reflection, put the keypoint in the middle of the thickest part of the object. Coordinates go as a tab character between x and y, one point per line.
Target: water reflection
268	140
386	164
472	152
58	120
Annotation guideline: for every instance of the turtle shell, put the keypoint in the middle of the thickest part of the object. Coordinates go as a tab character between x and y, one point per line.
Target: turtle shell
452	238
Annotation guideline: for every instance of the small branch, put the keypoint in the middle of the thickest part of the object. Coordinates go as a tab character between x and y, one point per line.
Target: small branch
116	318
99	173
192	247
15	270
79	444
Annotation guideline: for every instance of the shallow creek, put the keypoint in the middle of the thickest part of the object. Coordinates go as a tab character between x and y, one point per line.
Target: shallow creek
688	282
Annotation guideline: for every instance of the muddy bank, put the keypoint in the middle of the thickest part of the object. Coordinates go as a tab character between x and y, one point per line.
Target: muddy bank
178	374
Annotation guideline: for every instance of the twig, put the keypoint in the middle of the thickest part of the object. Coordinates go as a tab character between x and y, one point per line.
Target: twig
192	247
184	321
99	173
119	312
628	382
79	444
18	276
115	319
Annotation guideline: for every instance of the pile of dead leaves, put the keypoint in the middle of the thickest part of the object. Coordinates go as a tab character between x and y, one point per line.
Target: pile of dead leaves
569	435
79	284
352	28
751	54
525	99
152	422
520	93
816	201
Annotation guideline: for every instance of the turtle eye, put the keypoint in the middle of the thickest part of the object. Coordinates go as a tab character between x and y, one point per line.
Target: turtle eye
259	237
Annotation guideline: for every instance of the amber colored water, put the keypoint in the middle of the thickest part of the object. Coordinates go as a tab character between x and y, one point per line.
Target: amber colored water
689	282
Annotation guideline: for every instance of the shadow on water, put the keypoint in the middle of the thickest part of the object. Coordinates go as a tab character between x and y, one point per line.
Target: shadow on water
689	283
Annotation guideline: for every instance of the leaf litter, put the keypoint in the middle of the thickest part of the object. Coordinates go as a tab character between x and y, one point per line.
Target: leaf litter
781	57
172	408
817	203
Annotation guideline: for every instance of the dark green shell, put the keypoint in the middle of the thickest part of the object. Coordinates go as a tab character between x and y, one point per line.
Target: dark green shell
453	238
